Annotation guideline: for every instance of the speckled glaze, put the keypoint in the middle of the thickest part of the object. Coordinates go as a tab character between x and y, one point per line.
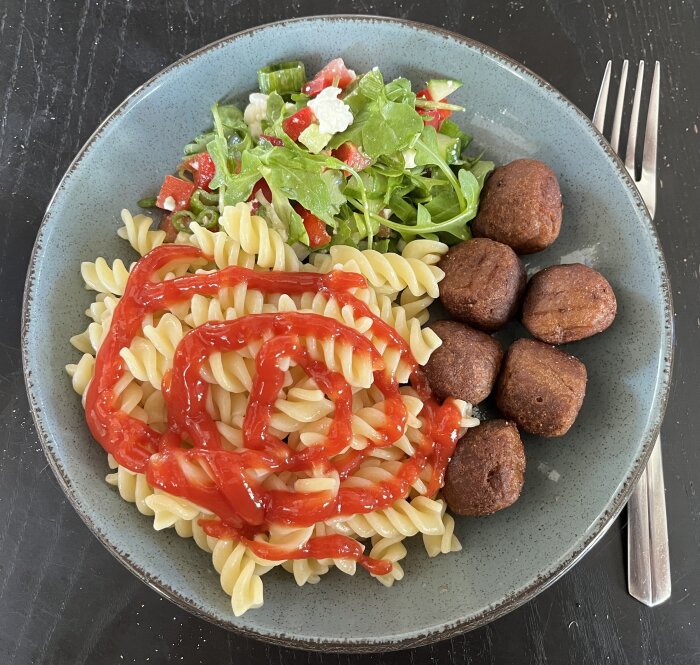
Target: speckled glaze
507	558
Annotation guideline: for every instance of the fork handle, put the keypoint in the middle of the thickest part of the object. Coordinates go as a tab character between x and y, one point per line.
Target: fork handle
647	535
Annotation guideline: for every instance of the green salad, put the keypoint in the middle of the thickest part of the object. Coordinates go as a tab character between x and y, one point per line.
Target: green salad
338	159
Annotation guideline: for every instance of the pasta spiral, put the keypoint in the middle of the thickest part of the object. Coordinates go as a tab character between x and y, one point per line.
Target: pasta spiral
99	277
133	487
404	518
389	549
387	273
445	542
169	509
238	577
137	231
378	438
256	238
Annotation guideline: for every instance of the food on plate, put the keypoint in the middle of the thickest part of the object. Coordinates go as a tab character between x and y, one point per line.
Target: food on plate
540	388
341	159
487	471
270	409
262	379
520	206
566	303
484	283
465	365
255	378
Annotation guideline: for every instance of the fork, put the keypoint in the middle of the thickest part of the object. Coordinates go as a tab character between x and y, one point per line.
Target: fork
648	566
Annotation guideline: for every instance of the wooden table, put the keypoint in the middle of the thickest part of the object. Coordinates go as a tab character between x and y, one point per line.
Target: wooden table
63	67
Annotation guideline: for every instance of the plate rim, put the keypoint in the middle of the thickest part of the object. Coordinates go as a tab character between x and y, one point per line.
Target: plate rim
508	603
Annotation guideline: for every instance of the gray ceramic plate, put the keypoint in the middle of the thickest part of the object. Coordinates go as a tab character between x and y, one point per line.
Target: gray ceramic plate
507	558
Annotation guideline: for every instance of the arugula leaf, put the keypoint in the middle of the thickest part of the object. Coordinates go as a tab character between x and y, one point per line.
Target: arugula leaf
239	186
480	170
301	180
231	122
399	90
334	182
218	151
470	187
444	204
427	153
344	234
452	129
296	231
388	127
402	208
381	126
371	85
391	165
275	108
423	218
456	227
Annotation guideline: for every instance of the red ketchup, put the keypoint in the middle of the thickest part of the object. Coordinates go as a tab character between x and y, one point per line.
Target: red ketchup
220	480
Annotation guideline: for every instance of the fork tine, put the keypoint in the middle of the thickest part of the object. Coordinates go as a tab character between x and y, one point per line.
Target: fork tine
601	104
634	121
619	107
650	142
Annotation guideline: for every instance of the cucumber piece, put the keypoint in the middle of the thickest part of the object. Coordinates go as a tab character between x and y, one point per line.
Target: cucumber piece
450	148
441	88
283	78
314	139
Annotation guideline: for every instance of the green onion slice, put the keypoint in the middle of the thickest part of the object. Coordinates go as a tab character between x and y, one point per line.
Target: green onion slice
208	218
283	78
201	200
148	202
181	220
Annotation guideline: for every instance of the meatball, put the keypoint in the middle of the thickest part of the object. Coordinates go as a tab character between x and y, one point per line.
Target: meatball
540	388
520	206
484	283
567	303
487	471
466	365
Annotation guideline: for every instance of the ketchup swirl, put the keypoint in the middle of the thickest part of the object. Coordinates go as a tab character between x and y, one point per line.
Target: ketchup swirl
188	460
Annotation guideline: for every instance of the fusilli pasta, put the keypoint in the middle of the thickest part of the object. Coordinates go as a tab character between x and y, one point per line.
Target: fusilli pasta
302	414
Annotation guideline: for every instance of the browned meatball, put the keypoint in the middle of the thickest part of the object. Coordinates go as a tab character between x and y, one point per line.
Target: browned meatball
487	471
541	388
466	365
520	206
484	283
567	303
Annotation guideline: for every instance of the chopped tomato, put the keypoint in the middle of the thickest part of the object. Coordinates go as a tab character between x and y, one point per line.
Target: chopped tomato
203	169
351	155
272	140
334	72
432	117
261	186
295	124
177	189
315	227
166	224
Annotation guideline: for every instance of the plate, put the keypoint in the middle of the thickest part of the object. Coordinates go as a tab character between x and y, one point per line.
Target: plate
574	487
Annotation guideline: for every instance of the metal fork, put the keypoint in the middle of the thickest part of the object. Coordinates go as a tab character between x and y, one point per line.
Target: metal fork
648	566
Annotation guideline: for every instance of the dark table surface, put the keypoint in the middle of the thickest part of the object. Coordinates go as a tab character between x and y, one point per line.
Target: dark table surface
63	67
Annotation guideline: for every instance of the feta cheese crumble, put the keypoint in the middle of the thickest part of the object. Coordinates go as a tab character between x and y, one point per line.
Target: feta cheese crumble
255	113
333	114
169	203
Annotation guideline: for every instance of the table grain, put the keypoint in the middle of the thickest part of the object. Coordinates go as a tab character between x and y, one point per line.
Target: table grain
63	67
